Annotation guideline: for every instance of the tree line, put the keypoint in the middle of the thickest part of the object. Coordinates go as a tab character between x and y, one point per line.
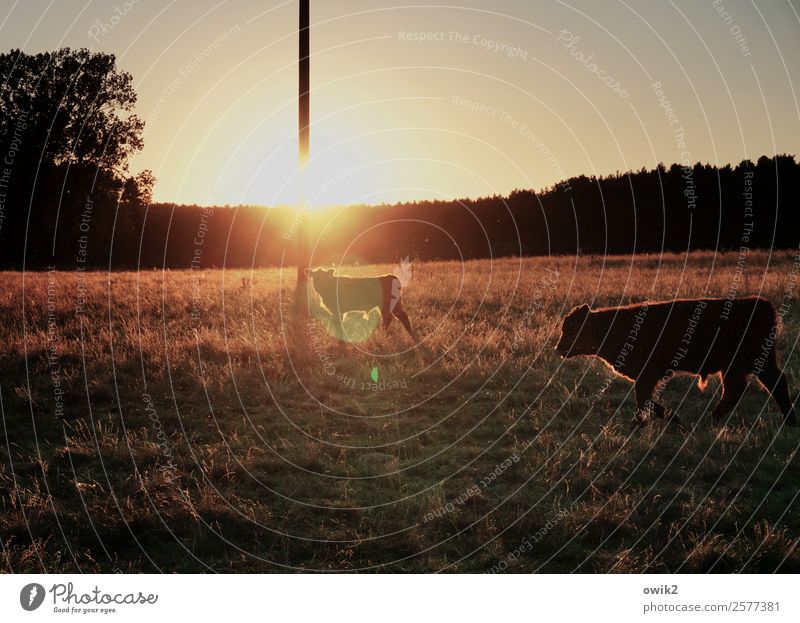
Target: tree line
675	209
68	199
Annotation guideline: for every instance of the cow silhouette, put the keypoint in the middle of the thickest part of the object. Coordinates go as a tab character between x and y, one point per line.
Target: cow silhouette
649	343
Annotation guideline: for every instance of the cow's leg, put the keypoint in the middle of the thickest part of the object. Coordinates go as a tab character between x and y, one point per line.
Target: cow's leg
775	382
645	405
337	324
387	317
403	318
733	386
386	306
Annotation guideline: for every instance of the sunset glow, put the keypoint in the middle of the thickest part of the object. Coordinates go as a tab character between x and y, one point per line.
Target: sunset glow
434	102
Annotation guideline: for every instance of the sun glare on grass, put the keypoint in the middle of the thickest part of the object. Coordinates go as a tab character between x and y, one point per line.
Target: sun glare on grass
356	327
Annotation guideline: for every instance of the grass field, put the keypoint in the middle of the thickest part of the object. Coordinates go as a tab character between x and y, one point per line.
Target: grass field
180	421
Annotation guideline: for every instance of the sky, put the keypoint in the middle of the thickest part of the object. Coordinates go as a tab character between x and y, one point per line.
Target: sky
414	100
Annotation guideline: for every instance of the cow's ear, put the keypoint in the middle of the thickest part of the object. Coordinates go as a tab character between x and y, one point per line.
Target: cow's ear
582	311
306	272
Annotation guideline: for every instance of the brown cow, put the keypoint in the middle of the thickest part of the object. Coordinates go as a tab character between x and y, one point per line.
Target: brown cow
648	343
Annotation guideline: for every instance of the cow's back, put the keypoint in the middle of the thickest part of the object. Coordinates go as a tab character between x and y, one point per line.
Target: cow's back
702	336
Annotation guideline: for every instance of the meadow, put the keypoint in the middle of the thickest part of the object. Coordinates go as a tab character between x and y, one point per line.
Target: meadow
193	421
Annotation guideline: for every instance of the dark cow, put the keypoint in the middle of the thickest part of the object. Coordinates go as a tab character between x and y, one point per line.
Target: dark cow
342	294
648	343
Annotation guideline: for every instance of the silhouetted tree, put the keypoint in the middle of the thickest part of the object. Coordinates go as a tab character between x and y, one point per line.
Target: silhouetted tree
67	133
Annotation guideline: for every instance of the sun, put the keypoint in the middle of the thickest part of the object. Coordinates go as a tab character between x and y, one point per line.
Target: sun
341	170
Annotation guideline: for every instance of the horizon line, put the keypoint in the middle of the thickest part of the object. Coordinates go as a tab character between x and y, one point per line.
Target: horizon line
543	191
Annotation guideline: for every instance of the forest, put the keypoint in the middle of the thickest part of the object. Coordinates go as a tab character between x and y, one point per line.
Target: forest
670	209
675	209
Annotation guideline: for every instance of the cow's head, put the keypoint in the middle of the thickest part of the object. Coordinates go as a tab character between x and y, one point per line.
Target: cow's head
321	276
574	336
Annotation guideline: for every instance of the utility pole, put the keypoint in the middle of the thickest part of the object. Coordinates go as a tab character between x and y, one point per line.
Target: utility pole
304	140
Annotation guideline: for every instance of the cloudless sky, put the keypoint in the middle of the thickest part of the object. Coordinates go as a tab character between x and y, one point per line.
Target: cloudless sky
501	96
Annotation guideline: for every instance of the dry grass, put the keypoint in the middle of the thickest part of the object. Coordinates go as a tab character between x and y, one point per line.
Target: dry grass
225	443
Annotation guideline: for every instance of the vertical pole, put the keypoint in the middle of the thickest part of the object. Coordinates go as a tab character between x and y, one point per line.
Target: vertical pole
304	136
